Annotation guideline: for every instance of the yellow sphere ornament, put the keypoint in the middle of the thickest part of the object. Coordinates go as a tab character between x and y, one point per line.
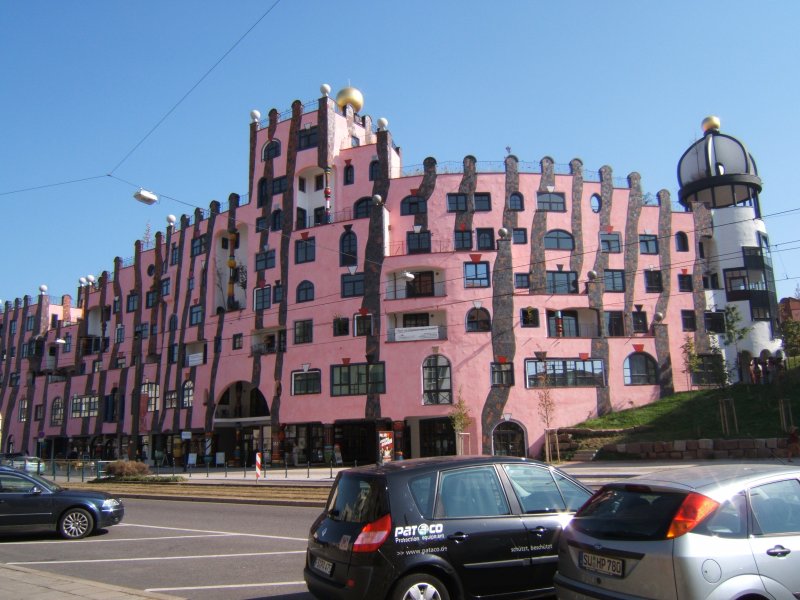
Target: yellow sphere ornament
711	122
351	96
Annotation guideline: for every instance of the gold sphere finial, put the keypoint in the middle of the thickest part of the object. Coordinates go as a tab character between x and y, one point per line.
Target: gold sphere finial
711	122
351	96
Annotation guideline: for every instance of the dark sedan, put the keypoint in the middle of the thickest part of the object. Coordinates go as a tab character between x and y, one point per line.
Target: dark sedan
29	502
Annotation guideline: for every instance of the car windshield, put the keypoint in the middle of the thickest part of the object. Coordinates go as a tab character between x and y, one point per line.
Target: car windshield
628	514
358	499
45	483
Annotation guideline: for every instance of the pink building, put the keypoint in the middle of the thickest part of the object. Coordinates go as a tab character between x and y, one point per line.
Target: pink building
348	295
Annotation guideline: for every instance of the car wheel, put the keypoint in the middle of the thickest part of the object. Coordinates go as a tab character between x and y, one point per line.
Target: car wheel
75	524
420	586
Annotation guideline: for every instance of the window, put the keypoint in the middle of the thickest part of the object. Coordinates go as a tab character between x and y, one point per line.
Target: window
529	317
595	203
502	374
173	323
773	508
652	281
116	305
462	240
640	369
558	239
615	323
701	250
362	325
708	369
610	243
681	242
516	201
195	314
478	320
173	353
141	331
685	283
418	243
22	414
305	250
456	202
416	320
174	254
354	141
262	297
190	283
348	249
362	208
614	280
187	394
639	321
519	235
358	379
119	335
352	285
68	343
198	245
349	175
307	137
265	260
165	287
485	237
277	293
475	492
12	327
150	299
306	382
422	285
13	379
279	185
262	223
413	205
304	331
715	322
482	202
120	363
562	323
319	182
57	412
522	280
272	149
341	326
301	184
305	291
84	406
476	274
276	220
132	302
688	320
171	399
562	282
550	202
238	341
711	281
153	393
374	170
648	244
29	323
437	385
564	372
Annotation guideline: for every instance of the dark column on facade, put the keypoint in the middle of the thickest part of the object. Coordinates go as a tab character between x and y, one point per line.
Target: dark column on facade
631	247
660	330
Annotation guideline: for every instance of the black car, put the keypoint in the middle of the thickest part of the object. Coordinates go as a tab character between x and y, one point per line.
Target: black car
441	528
29	502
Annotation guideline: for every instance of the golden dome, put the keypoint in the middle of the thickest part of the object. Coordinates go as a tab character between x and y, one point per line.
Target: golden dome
711	122
351	96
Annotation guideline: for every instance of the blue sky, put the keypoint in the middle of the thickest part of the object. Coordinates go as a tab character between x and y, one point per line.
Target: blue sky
621	83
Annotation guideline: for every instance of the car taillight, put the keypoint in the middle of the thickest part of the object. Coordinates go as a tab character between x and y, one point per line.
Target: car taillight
694	508
373	535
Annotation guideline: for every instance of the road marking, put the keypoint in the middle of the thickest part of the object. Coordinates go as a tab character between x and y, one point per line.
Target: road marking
97	541
150	558
224	587
256	535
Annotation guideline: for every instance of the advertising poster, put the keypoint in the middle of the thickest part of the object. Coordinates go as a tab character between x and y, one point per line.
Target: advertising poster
386	445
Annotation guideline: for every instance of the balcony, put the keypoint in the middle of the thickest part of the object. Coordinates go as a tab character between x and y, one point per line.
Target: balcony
415	334
416	290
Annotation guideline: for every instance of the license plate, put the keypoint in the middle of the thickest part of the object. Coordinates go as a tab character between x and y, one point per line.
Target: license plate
614	567
320	564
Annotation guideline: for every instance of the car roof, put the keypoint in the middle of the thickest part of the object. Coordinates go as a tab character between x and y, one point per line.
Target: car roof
438	462
706	477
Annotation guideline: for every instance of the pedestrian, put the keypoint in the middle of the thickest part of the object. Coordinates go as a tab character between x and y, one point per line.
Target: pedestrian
756	371
792	444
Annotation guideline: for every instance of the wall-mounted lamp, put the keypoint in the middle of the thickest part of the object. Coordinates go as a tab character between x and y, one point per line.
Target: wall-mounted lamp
61	341
540	354
504	234
407	275
477	303
550	188
435	349
658	317
306	367
417	228
591	275
377	199
507	416
352	269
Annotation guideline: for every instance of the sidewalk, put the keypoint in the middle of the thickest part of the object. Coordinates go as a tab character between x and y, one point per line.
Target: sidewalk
19	582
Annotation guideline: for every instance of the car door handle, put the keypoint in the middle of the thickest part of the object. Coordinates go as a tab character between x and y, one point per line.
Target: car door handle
540	530
458	537
778	551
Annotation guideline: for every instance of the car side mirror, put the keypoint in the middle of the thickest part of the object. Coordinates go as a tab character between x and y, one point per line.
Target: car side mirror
36	490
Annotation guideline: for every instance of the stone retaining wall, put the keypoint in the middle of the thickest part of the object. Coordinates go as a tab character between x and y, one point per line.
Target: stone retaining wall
702	449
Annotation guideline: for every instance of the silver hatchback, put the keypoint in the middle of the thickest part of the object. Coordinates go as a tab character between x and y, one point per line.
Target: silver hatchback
718	532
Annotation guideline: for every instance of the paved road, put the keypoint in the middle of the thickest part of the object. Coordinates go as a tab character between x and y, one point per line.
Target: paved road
201	551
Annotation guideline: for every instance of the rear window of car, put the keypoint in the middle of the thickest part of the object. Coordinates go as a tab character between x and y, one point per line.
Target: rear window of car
628	513
422	490
358	499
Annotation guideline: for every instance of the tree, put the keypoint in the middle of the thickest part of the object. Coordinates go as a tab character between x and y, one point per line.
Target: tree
733	333
461	419
797	291
547	409
790	332
690	359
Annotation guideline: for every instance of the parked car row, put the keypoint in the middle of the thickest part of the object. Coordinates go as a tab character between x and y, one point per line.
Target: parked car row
499	527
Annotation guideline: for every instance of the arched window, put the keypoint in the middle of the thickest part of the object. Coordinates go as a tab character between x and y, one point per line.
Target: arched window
374	170
276	220
187	394
263	194
413	205
558	239
681	242
478	320
596	203
271	150
437	385
516	202
173	323
640	369
349	175
305	291
348	249
362	207
57	411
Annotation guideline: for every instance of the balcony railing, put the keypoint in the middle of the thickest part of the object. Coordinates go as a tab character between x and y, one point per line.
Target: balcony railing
413	334
404	291
399	248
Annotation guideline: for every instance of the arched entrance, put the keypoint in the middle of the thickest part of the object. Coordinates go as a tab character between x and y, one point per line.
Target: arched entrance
508	439
241	426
